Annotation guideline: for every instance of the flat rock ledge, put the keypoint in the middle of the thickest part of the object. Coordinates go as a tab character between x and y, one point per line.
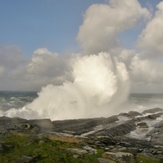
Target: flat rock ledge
122	136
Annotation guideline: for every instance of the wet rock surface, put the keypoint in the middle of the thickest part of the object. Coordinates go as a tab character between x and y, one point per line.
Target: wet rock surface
121	136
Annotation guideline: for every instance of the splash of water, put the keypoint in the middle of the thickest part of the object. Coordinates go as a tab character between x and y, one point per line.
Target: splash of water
100	85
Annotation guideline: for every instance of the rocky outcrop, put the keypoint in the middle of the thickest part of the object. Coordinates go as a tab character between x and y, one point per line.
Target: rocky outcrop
142	125
153	110
104	160
85	150
81	126
25	159
121	157
77	151
118	130
120	136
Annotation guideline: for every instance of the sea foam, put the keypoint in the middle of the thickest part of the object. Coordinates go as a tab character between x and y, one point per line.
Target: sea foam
100	85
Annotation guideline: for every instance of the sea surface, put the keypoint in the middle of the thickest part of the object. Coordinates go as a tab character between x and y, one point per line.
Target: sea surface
17	100
13	99
146	101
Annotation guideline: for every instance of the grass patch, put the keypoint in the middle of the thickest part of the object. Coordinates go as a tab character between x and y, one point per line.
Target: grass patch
144	159
42	150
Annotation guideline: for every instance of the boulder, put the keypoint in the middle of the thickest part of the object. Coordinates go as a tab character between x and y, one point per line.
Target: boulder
81	126
156	134
1	148
25	159
133	113
153	110
154	116
142	125
78	151
43	124
104	160
119	129
90	150
120	157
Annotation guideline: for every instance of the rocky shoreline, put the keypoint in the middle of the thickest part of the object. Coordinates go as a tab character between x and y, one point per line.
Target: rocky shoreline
122	137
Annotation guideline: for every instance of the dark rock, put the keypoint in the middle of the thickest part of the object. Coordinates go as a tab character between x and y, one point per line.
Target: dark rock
121	157
134	113
154	116
142	125
15	120
100	144
107	141
80	126
154	110
1	147
43	124
83	143
132	142
134	150
156	134
90	150
104	160
11	125
25	159
123	114
120	129
77	151
26	126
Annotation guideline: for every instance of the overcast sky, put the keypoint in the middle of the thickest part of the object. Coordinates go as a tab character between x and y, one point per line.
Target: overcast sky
38	39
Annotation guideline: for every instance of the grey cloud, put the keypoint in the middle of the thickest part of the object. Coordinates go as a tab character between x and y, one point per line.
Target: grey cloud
11	57
148	71
48	68
18	73
1	71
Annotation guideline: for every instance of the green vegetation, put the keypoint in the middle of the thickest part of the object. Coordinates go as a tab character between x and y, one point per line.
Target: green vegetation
144	159
42	150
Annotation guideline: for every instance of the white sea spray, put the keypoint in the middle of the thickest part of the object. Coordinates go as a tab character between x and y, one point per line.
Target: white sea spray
100	86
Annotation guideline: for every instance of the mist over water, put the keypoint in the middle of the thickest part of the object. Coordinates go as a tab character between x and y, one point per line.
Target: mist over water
100	85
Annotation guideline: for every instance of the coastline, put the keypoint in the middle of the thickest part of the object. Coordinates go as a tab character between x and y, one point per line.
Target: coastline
112	135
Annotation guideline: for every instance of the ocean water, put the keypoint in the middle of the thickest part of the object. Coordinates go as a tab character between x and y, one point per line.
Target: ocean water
17	100
14	99
145	101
